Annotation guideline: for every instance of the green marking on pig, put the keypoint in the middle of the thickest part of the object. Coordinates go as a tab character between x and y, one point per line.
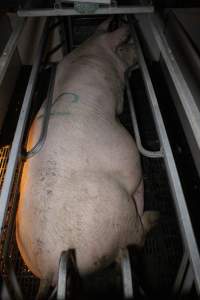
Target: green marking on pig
75	96
75	99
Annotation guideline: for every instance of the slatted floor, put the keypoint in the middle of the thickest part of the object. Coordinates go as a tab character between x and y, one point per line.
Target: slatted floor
26	280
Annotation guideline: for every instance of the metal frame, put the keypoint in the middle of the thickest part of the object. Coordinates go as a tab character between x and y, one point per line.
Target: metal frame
180	275
185	277
67	268
47	110
175	184
143	151
127	278
183	96
10	48
72	12
19	133
89	1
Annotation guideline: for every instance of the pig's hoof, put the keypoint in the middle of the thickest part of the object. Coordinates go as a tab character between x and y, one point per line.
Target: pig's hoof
150	219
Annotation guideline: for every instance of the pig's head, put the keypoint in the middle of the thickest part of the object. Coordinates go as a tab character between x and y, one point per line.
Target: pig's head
113	47
118	44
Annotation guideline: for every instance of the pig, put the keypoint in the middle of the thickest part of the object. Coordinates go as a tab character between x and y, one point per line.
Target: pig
84	189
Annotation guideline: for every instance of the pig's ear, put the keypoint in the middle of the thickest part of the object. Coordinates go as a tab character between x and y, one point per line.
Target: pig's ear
103	27
118	37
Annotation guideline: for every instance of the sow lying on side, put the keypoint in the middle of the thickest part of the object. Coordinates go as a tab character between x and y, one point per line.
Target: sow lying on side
84	189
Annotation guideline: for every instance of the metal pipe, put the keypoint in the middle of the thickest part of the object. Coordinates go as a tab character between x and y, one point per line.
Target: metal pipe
188	281
143	151
72	12
67	266
10	48
181	272
47	110
175	184
127	278
19	133
185	96
70	34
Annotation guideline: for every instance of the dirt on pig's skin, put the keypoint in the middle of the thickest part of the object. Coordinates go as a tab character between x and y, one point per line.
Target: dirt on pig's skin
84	189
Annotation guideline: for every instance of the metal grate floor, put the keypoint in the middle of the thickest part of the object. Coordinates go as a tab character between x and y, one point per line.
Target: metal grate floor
27	281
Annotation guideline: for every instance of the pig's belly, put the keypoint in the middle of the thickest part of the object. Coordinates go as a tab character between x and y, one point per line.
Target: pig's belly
77	193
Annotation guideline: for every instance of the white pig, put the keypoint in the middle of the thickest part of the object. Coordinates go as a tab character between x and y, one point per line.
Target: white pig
84	189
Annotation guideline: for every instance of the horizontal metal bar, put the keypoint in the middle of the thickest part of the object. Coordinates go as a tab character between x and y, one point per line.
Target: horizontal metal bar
143	151
19	133
10	48
174	180
47	110
73	12
88	1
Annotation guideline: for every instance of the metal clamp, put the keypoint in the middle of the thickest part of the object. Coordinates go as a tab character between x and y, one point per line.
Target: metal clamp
143	151
45	124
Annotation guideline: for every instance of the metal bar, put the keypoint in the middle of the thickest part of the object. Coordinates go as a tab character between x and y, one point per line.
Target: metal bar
127	278
181	273
186	98
143	151
17	141
88	1
175	184
14	284
66	268
70	34
47	110
63	35
10	48
73	12
188	282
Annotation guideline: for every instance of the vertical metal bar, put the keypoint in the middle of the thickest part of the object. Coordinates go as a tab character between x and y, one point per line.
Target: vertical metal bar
175	184
70	34
16	145
127	277
47	110
185	278
181	272
143	151
10	48
63	36
186	98
188	281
